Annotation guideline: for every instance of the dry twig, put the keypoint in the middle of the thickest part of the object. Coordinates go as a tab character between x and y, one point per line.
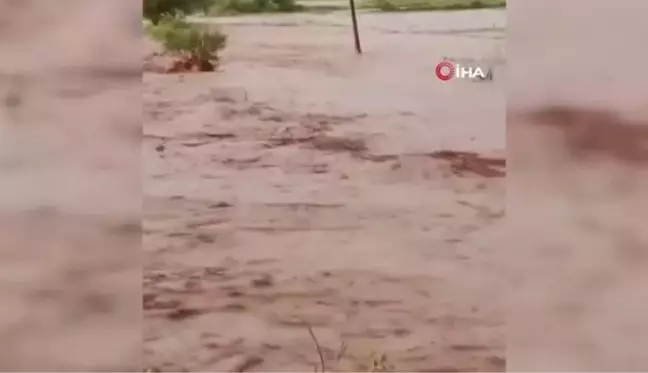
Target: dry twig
317	345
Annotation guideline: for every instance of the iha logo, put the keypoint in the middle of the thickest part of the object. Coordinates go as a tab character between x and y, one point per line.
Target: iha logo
447	70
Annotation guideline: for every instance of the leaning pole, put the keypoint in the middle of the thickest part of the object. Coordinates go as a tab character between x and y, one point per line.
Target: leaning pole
356	36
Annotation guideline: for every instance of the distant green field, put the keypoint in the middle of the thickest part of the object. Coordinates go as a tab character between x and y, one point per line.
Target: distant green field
233	7
422	5
402	5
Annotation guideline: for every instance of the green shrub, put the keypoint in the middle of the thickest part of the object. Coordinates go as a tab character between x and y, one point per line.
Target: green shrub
195	45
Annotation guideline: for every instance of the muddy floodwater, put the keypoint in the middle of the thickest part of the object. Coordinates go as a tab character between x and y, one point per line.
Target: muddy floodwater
304	195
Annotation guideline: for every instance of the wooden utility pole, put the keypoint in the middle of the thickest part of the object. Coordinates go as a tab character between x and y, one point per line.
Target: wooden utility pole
356	36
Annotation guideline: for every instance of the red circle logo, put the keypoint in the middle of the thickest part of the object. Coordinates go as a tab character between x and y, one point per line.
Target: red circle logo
445	75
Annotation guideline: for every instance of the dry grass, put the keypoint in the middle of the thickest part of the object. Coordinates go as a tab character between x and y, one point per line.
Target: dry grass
376	363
